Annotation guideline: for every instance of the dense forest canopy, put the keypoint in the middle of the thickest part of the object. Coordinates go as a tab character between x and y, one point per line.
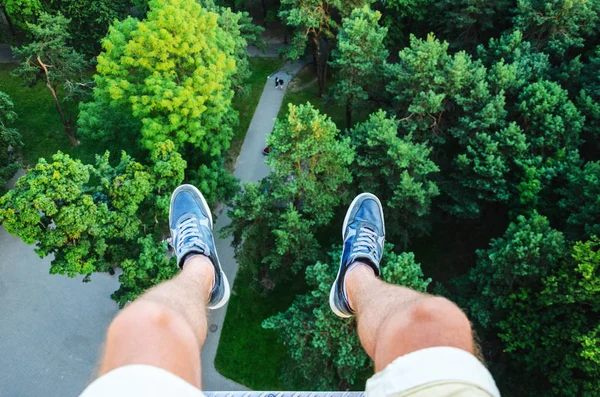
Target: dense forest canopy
477	123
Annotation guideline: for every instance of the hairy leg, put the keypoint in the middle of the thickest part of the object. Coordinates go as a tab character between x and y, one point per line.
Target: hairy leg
394	321
166	327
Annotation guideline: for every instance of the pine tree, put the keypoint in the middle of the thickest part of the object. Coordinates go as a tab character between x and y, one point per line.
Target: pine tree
397	170
359	59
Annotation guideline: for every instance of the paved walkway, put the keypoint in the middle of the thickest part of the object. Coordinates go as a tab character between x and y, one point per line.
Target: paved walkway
52	327
250	167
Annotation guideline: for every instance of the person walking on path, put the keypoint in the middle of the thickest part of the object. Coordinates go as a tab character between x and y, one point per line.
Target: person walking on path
276	82
421	345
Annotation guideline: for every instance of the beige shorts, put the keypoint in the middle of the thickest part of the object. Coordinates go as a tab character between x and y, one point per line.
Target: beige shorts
433	372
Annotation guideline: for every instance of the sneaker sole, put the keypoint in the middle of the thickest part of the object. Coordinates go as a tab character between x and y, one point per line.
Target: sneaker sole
346	218
227	293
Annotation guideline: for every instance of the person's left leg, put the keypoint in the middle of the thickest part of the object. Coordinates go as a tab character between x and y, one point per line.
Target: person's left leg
166	327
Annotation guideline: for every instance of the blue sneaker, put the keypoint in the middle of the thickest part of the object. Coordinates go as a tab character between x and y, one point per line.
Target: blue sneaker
364	236
191	226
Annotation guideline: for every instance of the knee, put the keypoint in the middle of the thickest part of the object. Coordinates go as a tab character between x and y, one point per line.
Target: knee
430	322
145	319
441	311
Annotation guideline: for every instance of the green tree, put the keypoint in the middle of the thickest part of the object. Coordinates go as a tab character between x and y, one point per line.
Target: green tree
466	23
89	20
49	58
539	297
314	22
559	25
581	202
274	222
311	162
96	218
10	141
324	349
359	58
240	27
398	171
22	12
170	75
511	134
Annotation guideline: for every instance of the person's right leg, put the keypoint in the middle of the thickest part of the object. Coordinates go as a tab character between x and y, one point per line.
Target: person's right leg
394	321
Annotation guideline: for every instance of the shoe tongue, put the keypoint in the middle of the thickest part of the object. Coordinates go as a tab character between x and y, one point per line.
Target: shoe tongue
194	243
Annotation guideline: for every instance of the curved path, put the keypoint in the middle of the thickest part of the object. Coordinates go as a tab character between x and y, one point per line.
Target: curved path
52	327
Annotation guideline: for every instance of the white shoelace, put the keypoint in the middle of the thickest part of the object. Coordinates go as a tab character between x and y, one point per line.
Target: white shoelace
188	232
366	241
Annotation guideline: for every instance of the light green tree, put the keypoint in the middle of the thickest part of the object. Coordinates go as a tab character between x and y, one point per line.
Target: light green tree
49	58
97	218
538	295
169	75
359	59
22	12
324	349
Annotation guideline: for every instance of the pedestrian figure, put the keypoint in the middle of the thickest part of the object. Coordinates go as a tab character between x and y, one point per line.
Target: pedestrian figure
276	82
281	84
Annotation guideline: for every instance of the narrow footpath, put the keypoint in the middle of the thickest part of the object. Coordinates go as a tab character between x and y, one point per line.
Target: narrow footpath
249	168
52	327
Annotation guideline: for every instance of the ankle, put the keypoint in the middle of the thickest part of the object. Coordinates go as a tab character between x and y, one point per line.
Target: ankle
358	274
200	269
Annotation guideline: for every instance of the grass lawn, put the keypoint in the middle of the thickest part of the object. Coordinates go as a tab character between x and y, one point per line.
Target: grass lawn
40	124
246	105
38	121
247	353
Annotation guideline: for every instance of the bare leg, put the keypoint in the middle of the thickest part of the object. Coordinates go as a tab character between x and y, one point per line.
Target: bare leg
394	321
166	327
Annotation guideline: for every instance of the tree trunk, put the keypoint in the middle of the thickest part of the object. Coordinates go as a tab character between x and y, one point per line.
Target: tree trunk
264	8
348	114
10	24
66	123
321	64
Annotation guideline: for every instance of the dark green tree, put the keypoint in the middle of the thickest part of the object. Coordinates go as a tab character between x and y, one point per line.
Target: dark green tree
315	25
359	59
559	25
466	23
89	20
581	202
59	66
397	170
10	141
324	349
